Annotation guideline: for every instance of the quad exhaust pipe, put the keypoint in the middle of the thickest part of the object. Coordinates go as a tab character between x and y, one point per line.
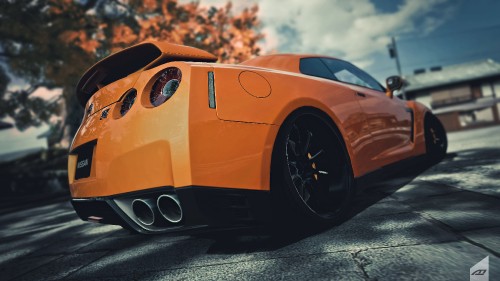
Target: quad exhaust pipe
145	211
170	208
166	208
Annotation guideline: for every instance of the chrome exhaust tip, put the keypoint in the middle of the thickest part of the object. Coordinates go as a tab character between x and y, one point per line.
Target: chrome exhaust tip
144	211
170	208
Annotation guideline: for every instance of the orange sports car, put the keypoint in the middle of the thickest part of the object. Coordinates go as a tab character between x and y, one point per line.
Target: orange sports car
173	141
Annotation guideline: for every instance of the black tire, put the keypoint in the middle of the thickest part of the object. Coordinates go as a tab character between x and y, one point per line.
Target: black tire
436	142
311	174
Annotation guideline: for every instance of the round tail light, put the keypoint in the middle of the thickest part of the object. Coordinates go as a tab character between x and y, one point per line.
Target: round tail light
165	86
128	101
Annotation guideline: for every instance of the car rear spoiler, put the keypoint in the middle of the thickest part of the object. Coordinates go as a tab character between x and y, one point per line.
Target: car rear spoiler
130	60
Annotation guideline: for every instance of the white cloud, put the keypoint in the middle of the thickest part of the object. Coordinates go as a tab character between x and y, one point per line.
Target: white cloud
354	30
46	94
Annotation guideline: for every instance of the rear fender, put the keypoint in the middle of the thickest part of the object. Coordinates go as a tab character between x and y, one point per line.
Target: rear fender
288	92
419	112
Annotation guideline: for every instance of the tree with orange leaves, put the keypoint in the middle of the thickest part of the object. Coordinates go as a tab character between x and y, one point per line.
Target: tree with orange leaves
52	42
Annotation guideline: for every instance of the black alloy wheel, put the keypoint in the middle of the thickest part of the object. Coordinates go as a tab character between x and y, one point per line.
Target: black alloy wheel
312	176
436	141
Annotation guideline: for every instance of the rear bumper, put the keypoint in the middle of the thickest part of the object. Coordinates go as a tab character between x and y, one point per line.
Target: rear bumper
180	143
203	208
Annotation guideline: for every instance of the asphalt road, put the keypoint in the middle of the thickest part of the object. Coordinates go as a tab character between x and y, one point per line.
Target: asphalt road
431	227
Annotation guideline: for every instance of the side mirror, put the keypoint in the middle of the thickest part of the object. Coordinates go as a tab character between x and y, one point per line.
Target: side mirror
393	83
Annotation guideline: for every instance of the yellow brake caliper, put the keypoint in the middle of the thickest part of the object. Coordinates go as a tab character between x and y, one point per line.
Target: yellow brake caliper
434	138
313	166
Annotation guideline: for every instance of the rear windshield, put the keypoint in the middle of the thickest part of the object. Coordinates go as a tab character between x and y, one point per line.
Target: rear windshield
116	67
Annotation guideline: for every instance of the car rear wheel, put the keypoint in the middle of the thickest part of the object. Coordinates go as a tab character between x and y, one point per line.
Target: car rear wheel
311	174
436	141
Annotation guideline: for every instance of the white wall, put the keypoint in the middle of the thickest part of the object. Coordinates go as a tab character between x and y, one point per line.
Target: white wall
486	89
425	100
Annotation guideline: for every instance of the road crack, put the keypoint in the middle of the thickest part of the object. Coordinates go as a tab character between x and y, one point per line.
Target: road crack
456	233
361	263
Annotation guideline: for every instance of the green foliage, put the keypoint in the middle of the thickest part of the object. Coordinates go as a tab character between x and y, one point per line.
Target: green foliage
51	43
4	81
30	48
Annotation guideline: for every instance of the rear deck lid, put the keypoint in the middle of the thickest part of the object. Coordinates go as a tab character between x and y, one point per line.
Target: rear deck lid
132	61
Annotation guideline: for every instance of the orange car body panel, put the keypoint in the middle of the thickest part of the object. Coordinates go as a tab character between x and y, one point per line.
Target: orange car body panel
184	142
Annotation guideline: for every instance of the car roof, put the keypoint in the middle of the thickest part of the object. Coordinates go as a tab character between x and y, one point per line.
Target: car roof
284	62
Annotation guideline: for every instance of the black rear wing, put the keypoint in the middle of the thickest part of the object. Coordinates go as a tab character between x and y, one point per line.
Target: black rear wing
136	58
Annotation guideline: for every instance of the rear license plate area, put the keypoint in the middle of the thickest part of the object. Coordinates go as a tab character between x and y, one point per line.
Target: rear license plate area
84	160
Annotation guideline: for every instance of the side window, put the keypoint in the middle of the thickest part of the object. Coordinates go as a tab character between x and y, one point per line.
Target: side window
348	73
315	67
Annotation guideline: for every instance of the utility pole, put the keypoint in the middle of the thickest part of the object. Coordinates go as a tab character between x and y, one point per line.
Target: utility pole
393	54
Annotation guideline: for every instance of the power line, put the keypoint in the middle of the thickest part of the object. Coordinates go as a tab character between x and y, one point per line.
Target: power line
424	63
441	35
474	53
489	52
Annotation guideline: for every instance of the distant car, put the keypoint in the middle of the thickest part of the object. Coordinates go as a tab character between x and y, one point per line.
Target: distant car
173	141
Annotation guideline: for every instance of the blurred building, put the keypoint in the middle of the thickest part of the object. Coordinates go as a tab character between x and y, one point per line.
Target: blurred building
462	96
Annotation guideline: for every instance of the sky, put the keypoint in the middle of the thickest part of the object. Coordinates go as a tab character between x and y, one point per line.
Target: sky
427	32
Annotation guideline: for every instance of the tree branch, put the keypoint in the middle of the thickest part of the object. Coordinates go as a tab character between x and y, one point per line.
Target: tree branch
90	4
7	55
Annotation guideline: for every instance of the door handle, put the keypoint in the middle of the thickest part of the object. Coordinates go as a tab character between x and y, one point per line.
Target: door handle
360	94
